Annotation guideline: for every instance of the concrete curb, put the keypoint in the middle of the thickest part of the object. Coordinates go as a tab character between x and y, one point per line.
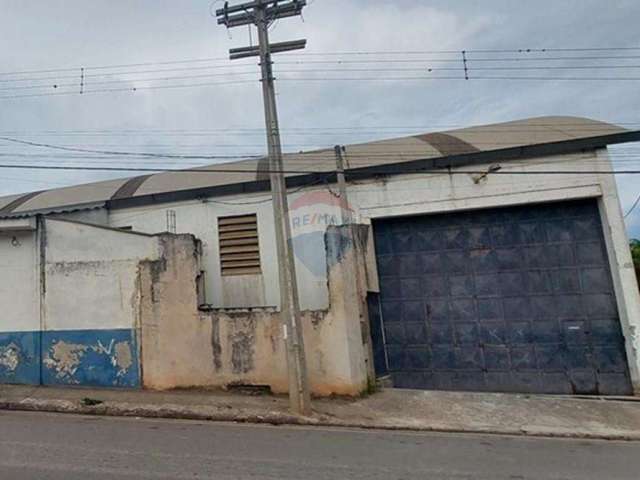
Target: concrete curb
170	411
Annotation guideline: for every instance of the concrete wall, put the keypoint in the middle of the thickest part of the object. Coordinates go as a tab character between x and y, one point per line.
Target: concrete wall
73	295
224	347
311	212
176	342
90	304
623	272
106	307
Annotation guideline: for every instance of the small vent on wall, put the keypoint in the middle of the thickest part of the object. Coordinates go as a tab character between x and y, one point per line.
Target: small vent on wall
239	248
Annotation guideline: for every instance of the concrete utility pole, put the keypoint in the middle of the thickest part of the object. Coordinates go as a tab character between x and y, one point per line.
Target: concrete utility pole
261	13
342	186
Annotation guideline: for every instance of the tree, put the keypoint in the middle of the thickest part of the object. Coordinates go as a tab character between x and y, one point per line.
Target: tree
635	253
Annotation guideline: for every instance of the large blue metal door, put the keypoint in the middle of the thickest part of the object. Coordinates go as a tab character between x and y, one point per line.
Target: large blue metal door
512	299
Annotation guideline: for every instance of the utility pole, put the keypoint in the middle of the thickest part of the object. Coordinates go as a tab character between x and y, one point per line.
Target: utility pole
261	13
342	185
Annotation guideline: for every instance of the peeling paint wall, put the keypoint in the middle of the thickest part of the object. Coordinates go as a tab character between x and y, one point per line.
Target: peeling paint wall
90	297
118	309
20	358
175	341
72	295
90	357
227	347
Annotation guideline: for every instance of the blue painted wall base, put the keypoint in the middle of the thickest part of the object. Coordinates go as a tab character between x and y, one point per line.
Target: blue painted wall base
98	358
20	358
101	358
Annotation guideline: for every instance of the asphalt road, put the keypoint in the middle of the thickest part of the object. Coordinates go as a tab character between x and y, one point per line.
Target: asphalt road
46	446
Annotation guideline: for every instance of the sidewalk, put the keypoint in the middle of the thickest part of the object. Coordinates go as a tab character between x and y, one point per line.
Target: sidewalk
550	416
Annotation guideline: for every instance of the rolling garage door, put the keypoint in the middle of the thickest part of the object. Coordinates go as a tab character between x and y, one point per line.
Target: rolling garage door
511	299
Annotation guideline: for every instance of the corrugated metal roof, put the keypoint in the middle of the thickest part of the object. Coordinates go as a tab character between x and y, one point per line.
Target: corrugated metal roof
453	143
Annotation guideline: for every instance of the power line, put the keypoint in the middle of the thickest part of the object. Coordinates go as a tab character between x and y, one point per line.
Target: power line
105	67
498	59
118	153
129	80
344	53
339	70
633	207
317	172
240	82
291	158
373	128
192	65
311	155
131	89
423	66
132	72
416	78
423	52
358	70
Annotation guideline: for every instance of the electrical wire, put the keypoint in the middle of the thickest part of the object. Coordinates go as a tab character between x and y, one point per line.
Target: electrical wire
110	82
317	172
119	153
316	79
344	53
346	71
370	128
517	50
423	66
124	65
196	64
133	72
289	159
132	89
633	207
470	78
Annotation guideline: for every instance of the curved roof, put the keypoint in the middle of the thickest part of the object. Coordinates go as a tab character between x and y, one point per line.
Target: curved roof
499	137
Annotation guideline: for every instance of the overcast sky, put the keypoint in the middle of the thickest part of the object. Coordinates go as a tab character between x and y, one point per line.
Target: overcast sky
59	34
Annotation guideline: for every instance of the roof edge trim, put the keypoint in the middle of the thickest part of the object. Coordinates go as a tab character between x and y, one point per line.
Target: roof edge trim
11	206
452	161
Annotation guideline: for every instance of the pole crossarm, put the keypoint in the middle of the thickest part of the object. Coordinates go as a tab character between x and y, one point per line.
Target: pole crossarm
244	52
273	9
244	6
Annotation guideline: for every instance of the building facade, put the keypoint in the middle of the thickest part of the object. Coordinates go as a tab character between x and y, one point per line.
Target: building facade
492	259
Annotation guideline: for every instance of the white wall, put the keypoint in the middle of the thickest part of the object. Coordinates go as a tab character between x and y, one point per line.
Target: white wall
399	195
623	272
19	282
92	272
200	218
433	193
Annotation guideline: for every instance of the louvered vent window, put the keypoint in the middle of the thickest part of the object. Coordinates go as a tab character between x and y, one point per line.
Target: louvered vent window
239	249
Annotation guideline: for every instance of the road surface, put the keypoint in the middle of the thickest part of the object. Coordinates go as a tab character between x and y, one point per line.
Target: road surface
50	447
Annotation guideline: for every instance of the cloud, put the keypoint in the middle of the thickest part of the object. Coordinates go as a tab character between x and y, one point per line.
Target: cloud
75	33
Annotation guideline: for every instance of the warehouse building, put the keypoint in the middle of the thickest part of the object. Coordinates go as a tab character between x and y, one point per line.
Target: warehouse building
491	258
